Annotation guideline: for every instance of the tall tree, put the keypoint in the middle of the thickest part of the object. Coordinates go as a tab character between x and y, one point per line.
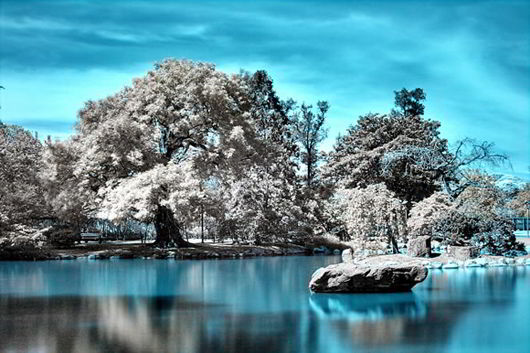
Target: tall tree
260	200
310	132
386	149
144	149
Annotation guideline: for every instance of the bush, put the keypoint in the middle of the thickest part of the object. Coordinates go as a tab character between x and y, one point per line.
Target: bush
62	236
22	243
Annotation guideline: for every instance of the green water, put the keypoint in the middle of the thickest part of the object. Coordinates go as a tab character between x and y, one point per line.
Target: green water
252	305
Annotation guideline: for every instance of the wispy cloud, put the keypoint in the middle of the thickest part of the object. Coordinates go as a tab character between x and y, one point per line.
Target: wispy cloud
472	57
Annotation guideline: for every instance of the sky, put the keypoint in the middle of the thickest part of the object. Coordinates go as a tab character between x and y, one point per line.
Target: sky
471	57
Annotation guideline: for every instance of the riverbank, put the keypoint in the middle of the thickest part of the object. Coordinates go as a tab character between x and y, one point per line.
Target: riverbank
135	250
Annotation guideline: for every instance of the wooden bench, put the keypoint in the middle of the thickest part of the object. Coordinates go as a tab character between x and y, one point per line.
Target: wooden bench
90	236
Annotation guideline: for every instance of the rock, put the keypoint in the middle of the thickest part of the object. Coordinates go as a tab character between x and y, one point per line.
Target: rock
363	278
419	247
114	257
336	252
347	255
450	265
520	262
320	250
68	257
472	263
92	257
482	261
463	253
435	265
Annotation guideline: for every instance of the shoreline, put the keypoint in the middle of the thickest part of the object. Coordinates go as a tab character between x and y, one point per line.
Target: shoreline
107	251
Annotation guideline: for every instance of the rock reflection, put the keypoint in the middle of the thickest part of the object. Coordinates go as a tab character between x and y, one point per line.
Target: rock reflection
371	307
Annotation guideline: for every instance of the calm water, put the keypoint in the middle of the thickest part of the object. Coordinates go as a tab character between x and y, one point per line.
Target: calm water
257	305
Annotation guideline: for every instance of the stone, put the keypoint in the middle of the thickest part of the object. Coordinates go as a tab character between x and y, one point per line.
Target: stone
463	253
336	252
419	247
450	265
435	265
482	261
364	278
472	263
347	255
520	262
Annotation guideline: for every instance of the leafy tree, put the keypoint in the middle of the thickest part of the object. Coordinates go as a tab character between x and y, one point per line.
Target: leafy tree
310	132
372	215
519	204
145	149
395	150
21	200
477	216
66	189
409	103
259	201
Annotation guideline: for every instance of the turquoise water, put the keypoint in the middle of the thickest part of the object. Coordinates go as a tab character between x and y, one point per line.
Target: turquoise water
252	305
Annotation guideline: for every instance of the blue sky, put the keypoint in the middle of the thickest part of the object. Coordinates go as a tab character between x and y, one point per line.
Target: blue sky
471	57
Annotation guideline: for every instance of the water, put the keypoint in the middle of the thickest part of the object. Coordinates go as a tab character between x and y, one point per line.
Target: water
252	305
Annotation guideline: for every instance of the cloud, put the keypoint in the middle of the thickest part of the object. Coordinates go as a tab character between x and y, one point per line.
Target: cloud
471	57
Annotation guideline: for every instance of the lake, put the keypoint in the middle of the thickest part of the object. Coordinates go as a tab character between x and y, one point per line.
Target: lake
253	305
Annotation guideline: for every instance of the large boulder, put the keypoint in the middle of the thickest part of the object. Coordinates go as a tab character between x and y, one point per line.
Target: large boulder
419	247
367	278
463	253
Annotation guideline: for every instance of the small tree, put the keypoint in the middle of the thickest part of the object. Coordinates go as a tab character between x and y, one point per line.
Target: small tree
372	215
309	133
409	103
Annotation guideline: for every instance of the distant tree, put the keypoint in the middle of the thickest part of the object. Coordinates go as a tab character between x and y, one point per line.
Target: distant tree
65	186
519	204
310	132
477	216
21	191
409	103
372	215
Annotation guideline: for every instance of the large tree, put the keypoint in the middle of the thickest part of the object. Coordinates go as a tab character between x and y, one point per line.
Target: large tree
260	200
146	149
397	150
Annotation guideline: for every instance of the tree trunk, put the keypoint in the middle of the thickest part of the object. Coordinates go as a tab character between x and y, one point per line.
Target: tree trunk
167	229
202	223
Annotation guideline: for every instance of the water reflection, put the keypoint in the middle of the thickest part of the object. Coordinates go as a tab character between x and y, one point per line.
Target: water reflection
370	307
260	305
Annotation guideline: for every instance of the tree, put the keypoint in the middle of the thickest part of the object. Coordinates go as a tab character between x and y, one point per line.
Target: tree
66	190
409	103
260	200
309	133
372	215
477	216
145	149
519	204
21	191
395	150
